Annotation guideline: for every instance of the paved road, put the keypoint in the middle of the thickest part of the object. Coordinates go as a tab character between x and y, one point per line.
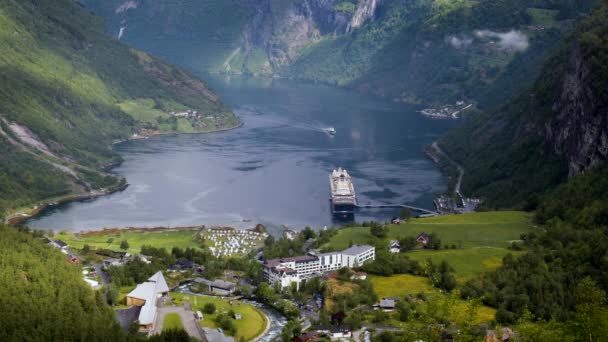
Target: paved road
106	281
188	320
460	169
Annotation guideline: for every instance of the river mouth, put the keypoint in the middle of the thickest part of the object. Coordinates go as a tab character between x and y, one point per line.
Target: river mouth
274	169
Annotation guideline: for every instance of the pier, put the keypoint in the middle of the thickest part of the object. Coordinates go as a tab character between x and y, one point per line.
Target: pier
396	206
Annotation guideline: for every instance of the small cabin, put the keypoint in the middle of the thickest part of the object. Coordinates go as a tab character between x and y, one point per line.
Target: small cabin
423	239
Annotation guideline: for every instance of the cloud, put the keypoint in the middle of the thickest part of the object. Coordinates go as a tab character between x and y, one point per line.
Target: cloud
459	42
510	41
126	6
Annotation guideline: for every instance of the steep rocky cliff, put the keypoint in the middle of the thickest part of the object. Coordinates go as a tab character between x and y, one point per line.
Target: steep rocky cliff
579	130
419	51
366	11
256	36
556	129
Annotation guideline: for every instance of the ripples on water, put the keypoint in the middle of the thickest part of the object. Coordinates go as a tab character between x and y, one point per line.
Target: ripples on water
274	170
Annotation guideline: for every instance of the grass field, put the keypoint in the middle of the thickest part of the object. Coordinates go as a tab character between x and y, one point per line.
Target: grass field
401	285
252	324
172	321
481	239
467	263
122	294
136	239
488	229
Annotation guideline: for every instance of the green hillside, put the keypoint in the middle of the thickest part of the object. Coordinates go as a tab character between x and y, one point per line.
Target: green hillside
442	51
44	298
68	91
553	130
419	51
200	35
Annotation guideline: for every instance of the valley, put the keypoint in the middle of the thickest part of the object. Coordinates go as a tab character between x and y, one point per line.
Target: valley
164	170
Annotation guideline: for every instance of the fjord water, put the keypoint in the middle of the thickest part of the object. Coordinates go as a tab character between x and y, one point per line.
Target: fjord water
274	170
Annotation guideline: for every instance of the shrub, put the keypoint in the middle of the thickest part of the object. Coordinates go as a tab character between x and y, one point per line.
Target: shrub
209	308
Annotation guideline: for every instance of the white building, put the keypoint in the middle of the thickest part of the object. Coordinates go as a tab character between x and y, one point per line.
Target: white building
289	270
295	269
394	246
145	295
330	261
282	275
356	255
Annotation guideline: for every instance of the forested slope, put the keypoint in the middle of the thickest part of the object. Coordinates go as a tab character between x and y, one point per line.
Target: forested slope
68	91
560	283
44	298
421	51
555	129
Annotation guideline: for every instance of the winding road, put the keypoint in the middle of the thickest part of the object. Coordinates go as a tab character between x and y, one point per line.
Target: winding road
438	149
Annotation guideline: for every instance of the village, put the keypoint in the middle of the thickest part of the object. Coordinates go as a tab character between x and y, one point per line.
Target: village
347	284
201	120
448	111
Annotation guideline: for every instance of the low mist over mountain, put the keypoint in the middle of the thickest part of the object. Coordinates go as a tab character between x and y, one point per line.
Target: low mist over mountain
557	128
240	235
418	51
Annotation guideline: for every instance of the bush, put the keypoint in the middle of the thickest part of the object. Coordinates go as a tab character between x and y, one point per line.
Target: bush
504	316
378	230
209	308
124	245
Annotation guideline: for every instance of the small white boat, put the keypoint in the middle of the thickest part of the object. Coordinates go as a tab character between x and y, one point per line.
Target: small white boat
331	130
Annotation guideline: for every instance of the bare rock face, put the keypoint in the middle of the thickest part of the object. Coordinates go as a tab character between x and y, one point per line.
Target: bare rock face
579	130
283	32
366	11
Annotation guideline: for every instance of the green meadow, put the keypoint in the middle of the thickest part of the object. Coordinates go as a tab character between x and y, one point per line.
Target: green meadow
136	239
252	323
172	321
481	239
402	285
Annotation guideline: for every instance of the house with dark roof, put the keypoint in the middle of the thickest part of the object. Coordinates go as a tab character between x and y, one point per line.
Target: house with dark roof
387	304
334	332
308	336
217	286
423	238
61	244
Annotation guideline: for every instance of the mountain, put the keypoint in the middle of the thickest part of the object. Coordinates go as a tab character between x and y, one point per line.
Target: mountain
419	51
44	298
68	91
556	129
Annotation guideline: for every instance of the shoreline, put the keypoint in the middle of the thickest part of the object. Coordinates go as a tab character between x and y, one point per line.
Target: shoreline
18	216
23	215
144	137
266	328
106	231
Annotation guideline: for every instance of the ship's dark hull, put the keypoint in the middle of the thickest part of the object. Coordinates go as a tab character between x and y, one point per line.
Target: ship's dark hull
342	209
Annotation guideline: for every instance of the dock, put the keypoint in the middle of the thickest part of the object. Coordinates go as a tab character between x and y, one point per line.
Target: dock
396	206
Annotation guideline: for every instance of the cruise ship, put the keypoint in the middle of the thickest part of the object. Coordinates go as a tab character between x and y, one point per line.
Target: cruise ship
343	199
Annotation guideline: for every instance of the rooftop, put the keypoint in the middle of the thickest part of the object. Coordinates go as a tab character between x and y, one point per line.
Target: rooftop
301	258
356	250
61	243
332	328
220	284
286	270
149	292
387	303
